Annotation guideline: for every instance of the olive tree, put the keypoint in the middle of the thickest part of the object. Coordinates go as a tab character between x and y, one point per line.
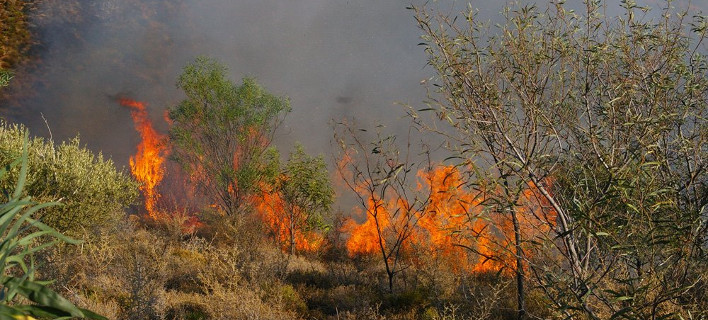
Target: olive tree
606	118
93	191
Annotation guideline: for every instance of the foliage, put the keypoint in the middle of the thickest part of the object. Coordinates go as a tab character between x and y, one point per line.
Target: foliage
92	190
18	245
5	77
14	32
221	132
605	117
305	195
135	272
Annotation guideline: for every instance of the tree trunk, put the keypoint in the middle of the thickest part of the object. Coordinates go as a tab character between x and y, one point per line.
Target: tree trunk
520	297
390	282
292	236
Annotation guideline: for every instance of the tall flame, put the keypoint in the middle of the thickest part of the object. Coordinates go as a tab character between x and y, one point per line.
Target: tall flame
452	208
364	238
147	164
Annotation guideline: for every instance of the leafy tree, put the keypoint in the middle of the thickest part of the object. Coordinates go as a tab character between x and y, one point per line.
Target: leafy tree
304	196
93	191
605	116
221	132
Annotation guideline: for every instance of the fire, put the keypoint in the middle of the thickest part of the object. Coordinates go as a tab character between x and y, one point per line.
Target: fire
451	209
455	229
148	163
272	210
364	238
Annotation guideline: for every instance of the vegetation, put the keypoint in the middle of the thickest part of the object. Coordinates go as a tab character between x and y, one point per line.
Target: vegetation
93	192
5	77
605	117
18	246
301	200
574	186
379	174
221	133
15	35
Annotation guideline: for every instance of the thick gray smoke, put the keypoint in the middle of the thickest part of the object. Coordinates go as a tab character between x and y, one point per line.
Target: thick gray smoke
333	58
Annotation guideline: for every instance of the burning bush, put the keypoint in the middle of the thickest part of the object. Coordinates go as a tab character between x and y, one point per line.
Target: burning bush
294	208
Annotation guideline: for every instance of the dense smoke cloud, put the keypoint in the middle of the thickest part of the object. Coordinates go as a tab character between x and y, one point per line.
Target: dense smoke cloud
332	58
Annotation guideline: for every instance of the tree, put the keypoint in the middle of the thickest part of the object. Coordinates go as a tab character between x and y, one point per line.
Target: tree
93	192
381	175
221	132
605	117
301	198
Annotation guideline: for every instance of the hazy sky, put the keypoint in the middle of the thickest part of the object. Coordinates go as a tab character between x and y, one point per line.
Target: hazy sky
332	58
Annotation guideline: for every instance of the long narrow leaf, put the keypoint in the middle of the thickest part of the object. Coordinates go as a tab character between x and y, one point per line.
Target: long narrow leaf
27	215
41	226
23	170
43	296
6	218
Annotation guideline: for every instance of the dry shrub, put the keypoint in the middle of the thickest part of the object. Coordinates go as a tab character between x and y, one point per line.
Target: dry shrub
222	303
366	313
139	273
15	35
124	271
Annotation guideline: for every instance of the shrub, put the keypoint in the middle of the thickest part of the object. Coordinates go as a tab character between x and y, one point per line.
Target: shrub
93	191
17	246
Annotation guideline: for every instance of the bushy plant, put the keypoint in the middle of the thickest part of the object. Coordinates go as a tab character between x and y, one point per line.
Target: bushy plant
221	132
18	245
93	191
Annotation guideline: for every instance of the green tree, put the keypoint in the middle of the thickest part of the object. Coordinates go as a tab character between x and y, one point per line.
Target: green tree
306	191
606	117
93	192
221	132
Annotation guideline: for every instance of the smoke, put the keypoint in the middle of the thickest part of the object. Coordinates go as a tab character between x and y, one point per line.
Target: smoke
332	58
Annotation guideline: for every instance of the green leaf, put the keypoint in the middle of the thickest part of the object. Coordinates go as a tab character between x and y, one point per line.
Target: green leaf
624	298
42	295
620	313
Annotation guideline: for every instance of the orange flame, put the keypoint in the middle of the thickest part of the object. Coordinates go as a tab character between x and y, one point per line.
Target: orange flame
147	164
364	238
454	230
452	208
271	208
